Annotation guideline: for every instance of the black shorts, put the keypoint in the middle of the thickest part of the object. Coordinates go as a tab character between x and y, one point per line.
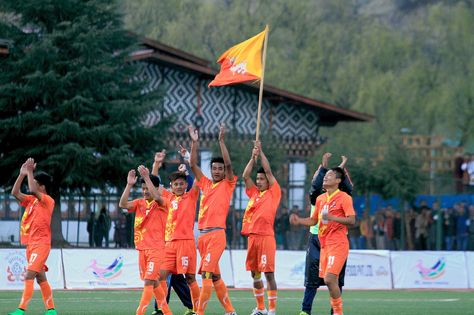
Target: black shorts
311	272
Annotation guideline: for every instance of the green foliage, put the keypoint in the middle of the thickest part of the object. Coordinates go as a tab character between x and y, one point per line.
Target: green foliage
409	63
69	98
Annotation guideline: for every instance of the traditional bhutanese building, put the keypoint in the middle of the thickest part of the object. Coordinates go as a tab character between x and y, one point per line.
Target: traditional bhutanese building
292	120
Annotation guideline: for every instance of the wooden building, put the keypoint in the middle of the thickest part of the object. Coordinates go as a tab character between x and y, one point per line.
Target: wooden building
293	120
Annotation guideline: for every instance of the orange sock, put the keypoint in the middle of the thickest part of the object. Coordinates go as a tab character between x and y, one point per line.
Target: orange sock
194	294
146	298
206	292
27	294
272	300
164	286
47	294
161	300
221	292
336	305
260	297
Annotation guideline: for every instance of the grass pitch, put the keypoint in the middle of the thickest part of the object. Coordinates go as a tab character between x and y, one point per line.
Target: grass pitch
400	302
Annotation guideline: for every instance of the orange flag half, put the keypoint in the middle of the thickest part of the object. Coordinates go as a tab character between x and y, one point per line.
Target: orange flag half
242	62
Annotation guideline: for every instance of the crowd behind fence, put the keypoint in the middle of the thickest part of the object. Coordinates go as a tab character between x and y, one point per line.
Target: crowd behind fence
97	221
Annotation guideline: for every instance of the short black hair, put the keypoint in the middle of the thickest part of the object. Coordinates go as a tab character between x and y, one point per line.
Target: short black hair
154	179
177	175
217	159
45	179
261	171
339	173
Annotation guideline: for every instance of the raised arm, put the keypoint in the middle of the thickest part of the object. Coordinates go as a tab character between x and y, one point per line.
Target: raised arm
225	154
193	163
32	185
265	164
16	190
248	169
155	193
158	162
346	185
131	180
317	182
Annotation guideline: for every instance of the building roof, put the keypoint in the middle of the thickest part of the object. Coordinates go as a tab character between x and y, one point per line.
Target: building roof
163	54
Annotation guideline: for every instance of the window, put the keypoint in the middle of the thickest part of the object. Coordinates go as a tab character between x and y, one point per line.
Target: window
296	194
241	198
206	157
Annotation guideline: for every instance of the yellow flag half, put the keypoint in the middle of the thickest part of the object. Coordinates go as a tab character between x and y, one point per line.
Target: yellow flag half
242	62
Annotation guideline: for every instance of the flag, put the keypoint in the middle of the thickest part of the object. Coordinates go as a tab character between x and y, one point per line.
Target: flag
241	63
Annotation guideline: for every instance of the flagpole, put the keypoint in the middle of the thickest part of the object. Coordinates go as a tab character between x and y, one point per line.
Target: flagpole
260	92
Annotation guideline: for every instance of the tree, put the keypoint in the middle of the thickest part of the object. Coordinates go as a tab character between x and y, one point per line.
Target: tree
69	99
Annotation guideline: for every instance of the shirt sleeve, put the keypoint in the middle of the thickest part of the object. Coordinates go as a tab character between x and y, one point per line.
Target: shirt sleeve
166	193
315	214
275	189
27	200
47	201
347	206
134	206
202	182
251	191
233	182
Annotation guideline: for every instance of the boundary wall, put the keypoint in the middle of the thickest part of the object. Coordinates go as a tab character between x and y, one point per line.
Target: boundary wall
366	269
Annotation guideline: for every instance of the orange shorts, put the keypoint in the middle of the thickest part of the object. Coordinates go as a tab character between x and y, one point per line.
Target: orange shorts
211	246
149	263
180	257
261	253
332	258
36	255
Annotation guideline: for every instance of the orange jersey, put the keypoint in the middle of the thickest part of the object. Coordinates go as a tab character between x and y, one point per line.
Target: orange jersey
35	225
150	222
338	204
181	215
260	213
215	201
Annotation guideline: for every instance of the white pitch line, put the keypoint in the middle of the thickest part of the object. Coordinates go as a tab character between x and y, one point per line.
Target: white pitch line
372	300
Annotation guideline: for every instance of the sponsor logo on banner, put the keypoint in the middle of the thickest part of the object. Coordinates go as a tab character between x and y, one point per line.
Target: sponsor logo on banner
105	274
365	271
434	272
15	268
297	271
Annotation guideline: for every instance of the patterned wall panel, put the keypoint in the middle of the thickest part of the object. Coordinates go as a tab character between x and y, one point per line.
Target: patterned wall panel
294	121
230	105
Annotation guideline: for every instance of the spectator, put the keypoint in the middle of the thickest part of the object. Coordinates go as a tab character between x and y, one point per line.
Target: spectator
421	229
366	231
120	234
449	229
130	218
379	230
91	226
410	228
282	227
461	227
397	230
354	235
433	226
103	227
389	228
470	223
